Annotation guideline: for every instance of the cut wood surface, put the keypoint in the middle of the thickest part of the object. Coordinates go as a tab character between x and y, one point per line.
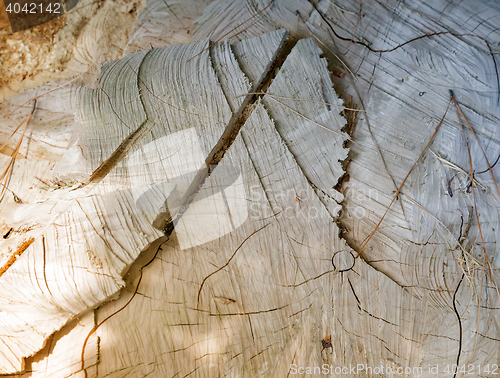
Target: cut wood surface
405	92
286	256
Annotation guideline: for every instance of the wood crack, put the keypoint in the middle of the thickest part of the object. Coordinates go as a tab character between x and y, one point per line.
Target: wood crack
229	135
128	143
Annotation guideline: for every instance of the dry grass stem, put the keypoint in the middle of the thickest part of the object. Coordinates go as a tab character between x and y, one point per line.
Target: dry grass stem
7	172
310	120
302	99
402	184
456	168
486	260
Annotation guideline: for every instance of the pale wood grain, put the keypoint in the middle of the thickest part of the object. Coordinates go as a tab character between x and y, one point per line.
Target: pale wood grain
222	298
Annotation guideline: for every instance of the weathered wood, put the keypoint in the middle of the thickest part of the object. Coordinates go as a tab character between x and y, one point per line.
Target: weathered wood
163	23
71	45
288	262
49	128
62	356
405	92
310	146
103	256
79	254
249	283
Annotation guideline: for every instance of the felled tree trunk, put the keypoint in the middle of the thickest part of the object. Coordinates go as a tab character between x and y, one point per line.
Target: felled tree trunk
298	199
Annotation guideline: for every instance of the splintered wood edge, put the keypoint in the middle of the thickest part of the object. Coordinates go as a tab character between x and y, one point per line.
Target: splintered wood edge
19	249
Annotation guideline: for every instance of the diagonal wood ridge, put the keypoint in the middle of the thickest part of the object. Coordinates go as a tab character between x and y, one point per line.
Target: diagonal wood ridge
258	90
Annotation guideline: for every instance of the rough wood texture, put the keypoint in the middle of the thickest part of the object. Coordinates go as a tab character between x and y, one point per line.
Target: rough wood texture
311	145
87	231
50	126
163	23
78	257
257	275
75	43
203	302
405	93
62	355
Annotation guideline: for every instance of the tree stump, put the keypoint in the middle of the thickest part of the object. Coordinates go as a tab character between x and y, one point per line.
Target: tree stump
306	188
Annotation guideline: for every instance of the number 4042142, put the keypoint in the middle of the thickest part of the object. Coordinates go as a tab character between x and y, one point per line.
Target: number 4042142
34	8
473	369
